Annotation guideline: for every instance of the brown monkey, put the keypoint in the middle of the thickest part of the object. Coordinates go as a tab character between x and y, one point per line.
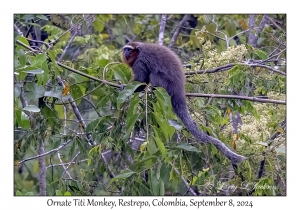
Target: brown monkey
158	65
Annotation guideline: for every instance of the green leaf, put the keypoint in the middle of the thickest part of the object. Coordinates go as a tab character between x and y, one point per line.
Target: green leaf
261	54
103	62
22	57
18	193
175	124
25	123
43	17
35	71
34	24
151	147
154	183
58	192
33	91
67	193
24	41
76	92
28	17
56	92
17	90
161	188
38	60
128	91
119	75
31	108
98	26
124	174
230	29
187	147
29	194
143	146
130	123
160	146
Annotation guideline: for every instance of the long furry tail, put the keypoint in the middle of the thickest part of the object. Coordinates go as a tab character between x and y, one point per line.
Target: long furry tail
180	108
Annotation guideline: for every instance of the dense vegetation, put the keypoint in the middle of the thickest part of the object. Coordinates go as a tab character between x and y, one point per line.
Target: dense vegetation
78	131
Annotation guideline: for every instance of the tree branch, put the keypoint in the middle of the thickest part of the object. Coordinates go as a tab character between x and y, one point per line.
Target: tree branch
230	65
46	153
175	35
162	29
255	99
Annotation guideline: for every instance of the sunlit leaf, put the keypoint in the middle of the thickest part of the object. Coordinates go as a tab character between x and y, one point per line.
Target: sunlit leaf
31	108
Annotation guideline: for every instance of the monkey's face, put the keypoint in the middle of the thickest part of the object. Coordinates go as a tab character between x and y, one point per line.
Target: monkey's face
130	53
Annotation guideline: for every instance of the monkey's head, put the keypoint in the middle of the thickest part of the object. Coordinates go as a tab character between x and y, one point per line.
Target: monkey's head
130	53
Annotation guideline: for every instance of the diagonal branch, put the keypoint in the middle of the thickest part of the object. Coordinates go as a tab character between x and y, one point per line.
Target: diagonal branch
178	29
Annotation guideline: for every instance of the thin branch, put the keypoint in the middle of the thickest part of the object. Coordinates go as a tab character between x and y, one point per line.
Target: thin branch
18	30
175	35
46	153
162	29
230	65
273	22
77	113
67	46
255	99
69	163
42	169
184	181
65	169
88	76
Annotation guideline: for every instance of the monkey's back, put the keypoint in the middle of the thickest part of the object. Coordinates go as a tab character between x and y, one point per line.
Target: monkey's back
165	67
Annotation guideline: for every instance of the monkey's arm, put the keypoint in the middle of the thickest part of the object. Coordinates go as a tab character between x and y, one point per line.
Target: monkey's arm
141	74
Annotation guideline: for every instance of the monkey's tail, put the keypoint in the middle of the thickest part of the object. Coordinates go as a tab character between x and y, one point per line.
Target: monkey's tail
180	108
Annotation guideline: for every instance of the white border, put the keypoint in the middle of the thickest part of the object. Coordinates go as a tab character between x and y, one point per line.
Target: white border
138	7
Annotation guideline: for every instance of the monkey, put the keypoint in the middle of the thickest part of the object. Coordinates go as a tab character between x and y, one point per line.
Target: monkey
160	66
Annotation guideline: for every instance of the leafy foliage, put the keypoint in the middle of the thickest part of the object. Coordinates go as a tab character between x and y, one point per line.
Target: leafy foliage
138	145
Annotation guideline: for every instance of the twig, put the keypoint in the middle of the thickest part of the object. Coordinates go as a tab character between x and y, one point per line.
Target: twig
88	76
42	169
175	35
46	153
184	181
230	65
162	29
273	22
77	113
65	169
18	30
256	99
67	46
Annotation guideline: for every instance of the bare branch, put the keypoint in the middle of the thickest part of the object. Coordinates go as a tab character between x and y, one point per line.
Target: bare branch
88	76
230	65
184	181
65	169
253	37
67	46
77	113
42	169
46	153
162	29
256	99
273	22
175	35
18	30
